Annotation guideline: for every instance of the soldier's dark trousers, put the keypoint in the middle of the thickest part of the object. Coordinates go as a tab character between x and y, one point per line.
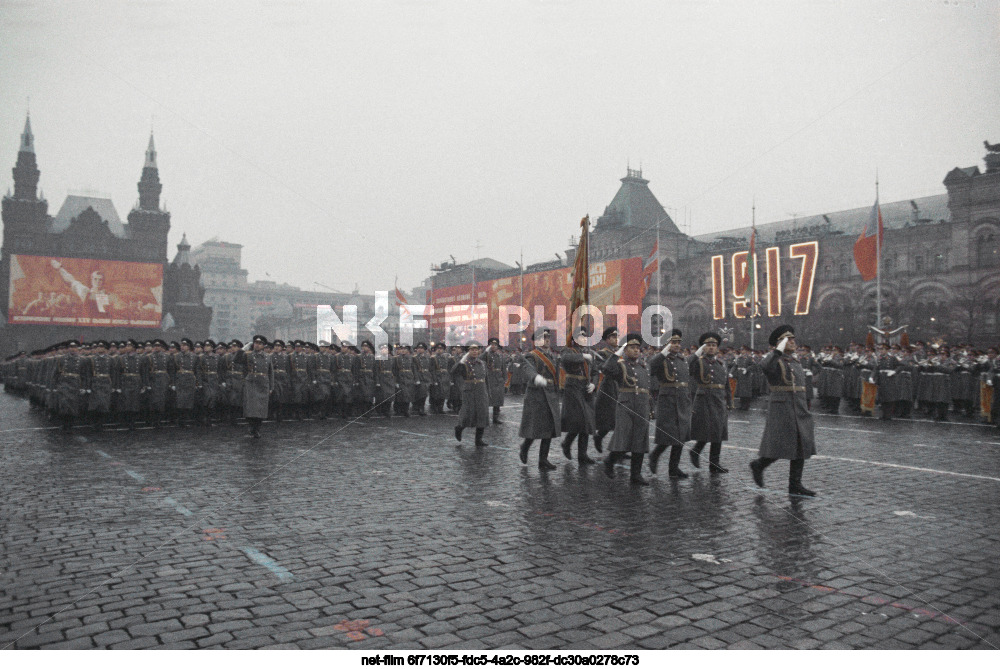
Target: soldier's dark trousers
402	408
744	403
496	416
254	427
714	455
888	410
479	436
904	408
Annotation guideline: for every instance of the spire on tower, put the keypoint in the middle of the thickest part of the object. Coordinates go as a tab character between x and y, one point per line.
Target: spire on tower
27	139
150	154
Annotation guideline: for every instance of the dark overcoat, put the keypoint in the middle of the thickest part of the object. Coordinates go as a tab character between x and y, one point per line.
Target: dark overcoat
606	395
475	411
281	363
788	430
710	416
258	383
133	382
496	376
673	406
631	433
540	415
577	404
103	377
185	379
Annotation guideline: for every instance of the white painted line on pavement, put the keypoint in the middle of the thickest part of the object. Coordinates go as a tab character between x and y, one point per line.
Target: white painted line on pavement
885	464
418	434
30	429
847	429
268	562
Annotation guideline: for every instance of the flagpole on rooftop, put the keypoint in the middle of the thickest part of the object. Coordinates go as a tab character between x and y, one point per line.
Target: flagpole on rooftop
752	265
878	257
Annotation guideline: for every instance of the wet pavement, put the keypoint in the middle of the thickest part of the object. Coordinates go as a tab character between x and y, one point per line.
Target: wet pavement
386	534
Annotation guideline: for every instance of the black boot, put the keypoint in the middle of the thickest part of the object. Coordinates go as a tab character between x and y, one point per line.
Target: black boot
714	453
543	456
525	446
599	440
567	442
496	416
458	432
479	437
581	451
757	468
654	457
695	454
674	468
610	462
636	477
795	486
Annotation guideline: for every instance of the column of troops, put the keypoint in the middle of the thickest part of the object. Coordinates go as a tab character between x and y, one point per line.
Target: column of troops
186	382
891	381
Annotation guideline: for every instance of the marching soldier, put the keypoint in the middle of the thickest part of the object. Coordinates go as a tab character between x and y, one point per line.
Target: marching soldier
710	416
540	417
364	390
497	363
886	368
406	380
160	375
235	374
788	432
344	379
103	379
455	389
208	378
385	381
133	382
69	382
830	384
631	434
475	406
671	371
258	384
324	380
281	397
577	418
185	381
302	371
607	391
441	379
423	378
745	378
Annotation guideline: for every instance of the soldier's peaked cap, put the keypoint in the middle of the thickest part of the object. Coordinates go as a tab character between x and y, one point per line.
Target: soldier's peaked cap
713	336
780	333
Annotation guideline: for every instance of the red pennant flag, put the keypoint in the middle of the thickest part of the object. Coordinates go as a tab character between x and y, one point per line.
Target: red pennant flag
867	247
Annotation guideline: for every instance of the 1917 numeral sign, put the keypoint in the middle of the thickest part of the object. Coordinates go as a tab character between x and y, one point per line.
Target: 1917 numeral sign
808	252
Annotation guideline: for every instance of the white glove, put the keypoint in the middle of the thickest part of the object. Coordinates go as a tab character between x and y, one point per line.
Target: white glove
665	350
464	358
809	373
620	350
700	351
590	387
743	371
539	380
989	382
782	344
588	357
891	372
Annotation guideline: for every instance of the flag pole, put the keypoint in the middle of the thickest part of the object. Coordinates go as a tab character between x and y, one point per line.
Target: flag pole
878	257
753	267
659	273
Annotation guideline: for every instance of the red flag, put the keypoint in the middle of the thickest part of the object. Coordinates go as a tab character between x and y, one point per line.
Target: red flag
651	265
581	274
401	300
868	248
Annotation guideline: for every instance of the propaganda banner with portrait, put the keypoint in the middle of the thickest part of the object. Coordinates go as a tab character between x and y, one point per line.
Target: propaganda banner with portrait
84	292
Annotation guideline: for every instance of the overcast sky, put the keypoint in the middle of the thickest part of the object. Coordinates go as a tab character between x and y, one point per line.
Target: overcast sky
350	142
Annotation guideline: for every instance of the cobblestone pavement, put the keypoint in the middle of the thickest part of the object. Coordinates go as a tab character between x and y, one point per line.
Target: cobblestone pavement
384	534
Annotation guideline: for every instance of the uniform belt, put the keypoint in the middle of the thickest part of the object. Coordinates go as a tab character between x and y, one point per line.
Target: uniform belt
280	371
129	374
829	367
257	374
789	389
185	371
159	371
676	384
475	380
711	385
633	390
209	373
101	376
68	374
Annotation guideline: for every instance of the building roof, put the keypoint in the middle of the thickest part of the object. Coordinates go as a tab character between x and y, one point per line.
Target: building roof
895	215
635	206
77	204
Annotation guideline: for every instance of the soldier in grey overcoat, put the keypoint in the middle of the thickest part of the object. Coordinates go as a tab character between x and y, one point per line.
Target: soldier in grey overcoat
281	398
440	378
607	392
258	385
385	381
627	368
670	369
103	379
475	397
364	391
423	378
132	384
497	363
540	415
160	377
406	379
710	416
69	382
185	381
322	388
303	371
577	419
234	368
788	432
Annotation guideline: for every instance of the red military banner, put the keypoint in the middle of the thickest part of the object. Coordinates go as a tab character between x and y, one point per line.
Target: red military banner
84	291
611	282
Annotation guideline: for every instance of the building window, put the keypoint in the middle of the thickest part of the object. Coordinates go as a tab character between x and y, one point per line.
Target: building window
890	264
919	263
843	269
987	251
938	262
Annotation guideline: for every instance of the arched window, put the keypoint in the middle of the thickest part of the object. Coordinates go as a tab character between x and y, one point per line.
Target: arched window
987	251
